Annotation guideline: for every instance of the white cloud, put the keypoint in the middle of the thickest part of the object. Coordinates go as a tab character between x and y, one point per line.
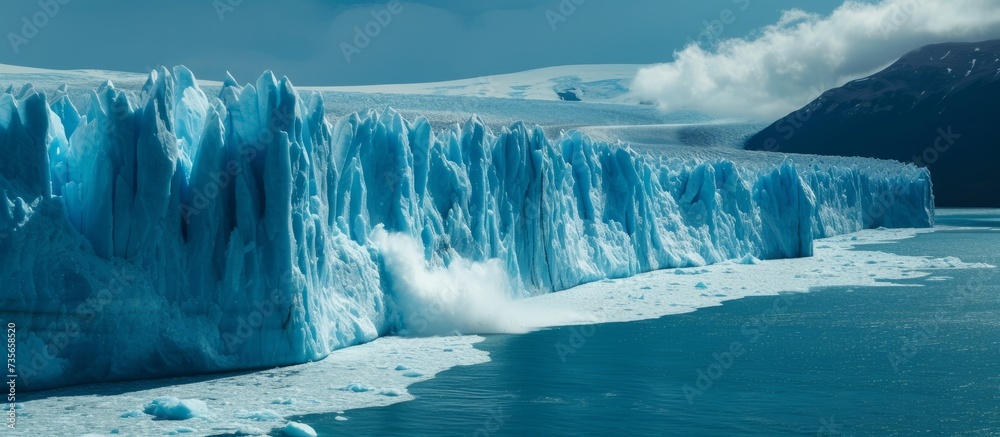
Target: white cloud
792	62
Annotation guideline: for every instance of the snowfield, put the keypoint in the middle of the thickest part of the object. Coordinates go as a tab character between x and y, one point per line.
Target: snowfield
606	83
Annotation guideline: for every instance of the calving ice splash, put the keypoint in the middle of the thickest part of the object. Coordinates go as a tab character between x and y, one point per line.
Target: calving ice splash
167	232
464	297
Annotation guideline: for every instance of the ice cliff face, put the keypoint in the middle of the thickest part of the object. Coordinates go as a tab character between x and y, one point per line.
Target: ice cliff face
175	233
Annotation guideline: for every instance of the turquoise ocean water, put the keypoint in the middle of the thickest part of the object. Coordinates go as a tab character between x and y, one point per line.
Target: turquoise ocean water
915	360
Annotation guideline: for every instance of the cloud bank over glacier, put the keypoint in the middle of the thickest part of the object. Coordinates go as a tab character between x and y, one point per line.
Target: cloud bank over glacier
793	61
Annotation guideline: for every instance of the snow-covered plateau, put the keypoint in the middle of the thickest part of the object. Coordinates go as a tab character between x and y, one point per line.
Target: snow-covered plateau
604	83
162	231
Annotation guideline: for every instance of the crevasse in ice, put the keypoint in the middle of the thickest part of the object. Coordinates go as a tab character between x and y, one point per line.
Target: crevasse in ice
176	233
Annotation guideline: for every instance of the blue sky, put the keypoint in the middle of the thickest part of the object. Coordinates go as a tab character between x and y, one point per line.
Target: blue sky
424	40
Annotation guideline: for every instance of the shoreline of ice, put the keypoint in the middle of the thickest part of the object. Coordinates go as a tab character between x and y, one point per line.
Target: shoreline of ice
378	373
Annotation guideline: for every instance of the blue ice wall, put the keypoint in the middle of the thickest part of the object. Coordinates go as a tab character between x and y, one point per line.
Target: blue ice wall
168	232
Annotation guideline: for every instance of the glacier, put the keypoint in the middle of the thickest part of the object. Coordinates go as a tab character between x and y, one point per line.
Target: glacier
166	232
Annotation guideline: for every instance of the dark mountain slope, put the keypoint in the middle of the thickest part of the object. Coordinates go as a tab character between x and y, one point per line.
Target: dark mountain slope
938	106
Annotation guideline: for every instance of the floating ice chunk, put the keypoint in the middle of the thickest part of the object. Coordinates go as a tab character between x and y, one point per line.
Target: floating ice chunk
939	278
296	429
749	260
171	408
260	416
701	286
357	388
249	431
